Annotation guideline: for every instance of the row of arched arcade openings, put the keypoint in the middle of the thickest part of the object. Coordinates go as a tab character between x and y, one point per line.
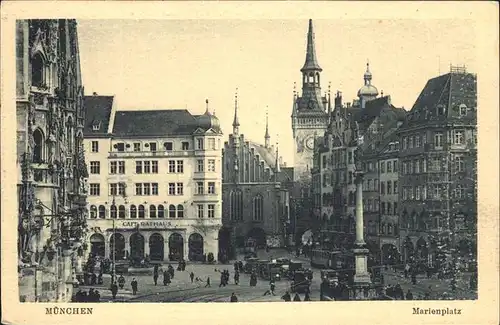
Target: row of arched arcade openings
140	211
421	252
155	247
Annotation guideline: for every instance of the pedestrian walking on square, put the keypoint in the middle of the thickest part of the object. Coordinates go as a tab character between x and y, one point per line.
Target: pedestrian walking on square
307	297
236	278
414	278
155	277
166	278
134	286
121	281
114	290
409	295
208	282
234	298
191	275
222	279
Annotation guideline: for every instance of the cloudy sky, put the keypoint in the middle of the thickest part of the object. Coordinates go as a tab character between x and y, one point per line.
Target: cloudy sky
164	64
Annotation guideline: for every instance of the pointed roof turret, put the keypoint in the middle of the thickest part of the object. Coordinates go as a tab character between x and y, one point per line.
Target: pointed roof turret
236	122
311	60
267	136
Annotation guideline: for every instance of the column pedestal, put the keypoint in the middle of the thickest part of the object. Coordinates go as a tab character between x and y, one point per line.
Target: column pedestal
361	277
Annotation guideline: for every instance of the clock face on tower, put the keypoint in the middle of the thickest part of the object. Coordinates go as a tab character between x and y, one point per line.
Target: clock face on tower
309	142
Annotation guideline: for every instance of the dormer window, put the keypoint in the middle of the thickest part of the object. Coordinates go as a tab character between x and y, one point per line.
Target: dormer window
440	110
96	126
169	146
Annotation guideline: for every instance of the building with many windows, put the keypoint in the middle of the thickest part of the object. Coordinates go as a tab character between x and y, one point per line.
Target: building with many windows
50	163
438	169
155	182
255	204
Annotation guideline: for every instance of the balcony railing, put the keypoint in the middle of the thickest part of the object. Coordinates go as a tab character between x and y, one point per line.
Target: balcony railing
42	174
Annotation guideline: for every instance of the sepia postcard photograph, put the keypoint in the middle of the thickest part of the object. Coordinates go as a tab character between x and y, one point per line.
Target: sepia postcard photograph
341	155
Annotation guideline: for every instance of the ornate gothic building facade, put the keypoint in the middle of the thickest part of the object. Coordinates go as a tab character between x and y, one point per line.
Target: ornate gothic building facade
51	166
255	203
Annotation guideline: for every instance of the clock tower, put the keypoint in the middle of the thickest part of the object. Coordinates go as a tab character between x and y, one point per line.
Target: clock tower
309	112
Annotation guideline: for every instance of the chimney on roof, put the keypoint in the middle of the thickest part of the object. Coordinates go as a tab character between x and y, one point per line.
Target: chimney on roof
94	93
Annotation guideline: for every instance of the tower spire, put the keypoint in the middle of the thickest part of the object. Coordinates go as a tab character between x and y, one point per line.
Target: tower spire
236	122
266	136
277	162
311	60
368	74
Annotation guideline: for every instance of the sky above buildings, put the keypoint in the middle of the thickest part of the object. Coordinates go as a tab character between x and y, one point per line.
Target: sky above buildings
165	64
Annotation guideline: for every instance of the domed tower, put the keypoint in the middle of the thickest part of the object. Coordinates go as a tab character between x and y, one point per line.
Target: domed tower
368	91
208	120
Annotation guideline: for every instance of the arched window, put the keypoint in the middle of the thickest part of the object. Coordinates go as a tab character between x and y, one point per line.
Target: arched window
180	211
161	211
37	67
141	212
113	211
70	133
236	204
389	229
171	211
121	212
133	211
38	146
93	212
152	211
102	212
258	208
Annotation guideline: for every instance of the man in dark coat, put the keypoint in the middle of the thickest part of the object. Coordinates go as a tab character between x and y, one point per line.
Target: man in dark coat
236	277
114	290
234	298
155	276
297	297
191	276
166	278
134	286
208	282
409	295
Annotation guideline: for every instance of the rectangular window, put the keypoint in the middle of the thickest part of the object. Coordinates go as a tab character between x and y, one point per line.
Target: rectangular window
152	146
147	167
201	211
154	166
180	188
138	189
211	210
120	147
382	167
410	143
146	188
95	189
211	165
405	143
180	166
382	207
171	188
200	166
389	167
95	167
154	188
121	167
211	144
395	187
137	146
389	187
169	146
417	166
395	208
95	146
199	187
113	189
417	141
389	208
185	146
138	167
395	166
349	157
438	140
171	166
113	167
121	189
459	137
417	193
199	144
211	187
459	164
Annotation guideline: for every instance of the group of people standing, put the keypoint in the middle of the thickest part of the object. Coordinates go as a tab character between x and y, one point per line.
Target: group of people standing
168	274
83	296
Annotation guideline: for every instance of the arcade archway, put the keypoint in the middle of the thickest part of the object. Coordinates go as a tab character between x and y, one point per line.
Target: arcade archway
175	247
137	246
117	244
259	235
195	243
156	247
97	245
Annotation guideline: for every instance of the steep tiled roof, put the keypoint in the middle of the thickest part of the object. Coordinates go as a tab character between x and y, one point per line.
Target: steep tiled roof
450	91
97	111
154	123
288	171
264	153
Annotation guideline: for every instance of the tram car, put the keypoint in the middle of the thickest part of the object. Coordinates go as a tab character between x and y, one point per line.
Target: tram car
326	259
